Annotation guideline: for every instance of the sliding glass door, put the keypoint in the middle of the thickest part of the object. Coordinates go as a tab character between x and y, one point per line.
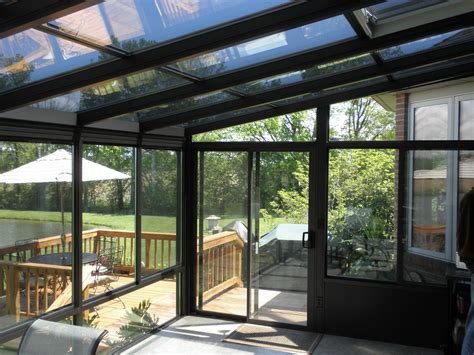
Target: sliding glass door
252	234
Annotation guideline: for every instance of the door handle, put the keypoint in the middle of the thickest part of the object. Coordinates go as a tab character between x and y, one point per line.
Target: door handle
307	242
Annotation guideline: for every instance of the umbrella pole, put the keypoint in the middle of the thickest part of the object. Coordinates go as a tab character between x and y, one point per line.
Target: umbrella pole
61	202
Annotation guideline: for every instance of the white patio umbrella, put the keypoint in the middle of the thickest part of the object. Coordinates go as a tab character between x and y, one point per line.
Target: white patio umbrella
57	167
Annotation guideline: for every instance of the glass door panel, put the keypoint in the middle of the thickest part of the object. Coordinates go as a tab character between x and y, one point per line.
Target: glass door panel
279	254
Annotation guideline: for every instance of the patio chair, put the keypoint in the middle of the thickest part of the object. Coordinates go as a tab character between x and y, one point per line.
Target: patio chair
51	338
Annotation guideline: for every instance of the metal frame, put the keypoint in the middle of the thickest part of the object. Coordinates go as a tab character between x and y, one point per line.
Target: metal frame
286	64
292	15
435	75
312	85
78	138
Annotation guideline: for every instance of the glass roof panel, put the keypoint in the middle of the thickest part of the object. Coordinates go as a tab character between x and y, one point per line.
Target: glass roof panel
277	45
442	40
32	55
466	60
178	106
113	91
132	25
393	8
321	70
226	115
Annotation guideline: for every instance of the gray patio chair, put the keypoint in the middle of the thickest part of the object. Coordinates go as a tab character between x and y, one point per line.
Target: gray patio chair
51	338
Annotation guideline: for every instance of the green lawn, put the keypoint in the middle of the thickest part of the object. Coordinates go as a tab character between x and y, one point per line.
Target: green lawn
125	222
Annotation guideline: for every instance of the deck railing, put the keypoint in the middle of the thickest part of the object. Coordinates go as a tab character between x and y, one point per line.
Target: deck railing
157	248
222	265
28	289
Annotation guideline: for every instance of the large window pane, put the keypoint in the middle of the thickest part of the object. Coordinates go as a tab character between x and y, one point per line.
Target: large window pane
133	25
35	219
222	232
108	218
32	55
431	122
361	215
133	315
159	209
277	45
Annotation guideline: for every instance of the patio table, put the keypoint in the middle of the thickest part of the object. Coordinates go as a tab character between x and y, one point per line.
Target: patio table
63	259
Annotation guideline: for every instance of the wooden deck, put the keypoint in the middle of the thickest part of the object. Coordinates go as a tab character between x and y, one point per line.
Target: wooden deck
117	313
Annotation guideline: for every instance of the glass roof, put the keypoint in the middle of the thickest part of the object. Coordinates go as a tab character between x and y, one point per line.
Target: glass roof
442	40
321	70
391	8
136	24
277	45
113	91
32	55
178	106
226	115
466	60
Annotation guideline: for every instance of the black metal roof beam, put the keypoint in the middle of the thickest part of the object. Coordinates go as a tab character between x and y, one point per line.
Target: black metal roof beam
415	80
279	66
23	15
228	34
115	52
314	85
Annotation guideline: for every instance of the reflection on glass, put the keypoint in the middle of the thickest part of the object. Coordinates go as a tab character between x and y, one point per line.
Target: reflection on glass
222	233
431	122
279	263
132	315
108	218
132	25
398	7
321	70
173	107
313	35
32	55
442	40
35	219
113	91
159	209
429	200
466	119
361	225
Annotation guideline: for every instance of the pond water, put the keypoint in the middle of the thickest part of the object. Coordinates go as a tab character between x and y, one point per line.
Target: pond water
16	229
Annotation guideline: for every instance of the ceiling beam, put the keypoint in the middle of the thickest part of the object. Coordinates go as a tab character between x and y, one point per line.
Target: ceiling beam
274	21
23	15
415	80
315	85
275	67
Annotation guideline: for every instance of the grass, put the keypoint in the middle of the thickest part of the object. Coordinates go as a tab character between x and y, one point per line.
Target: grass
126	222
166	224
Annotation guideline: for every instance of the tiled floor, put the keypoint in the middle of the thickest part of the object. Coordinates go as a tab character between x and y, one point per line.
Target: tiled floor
199	335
